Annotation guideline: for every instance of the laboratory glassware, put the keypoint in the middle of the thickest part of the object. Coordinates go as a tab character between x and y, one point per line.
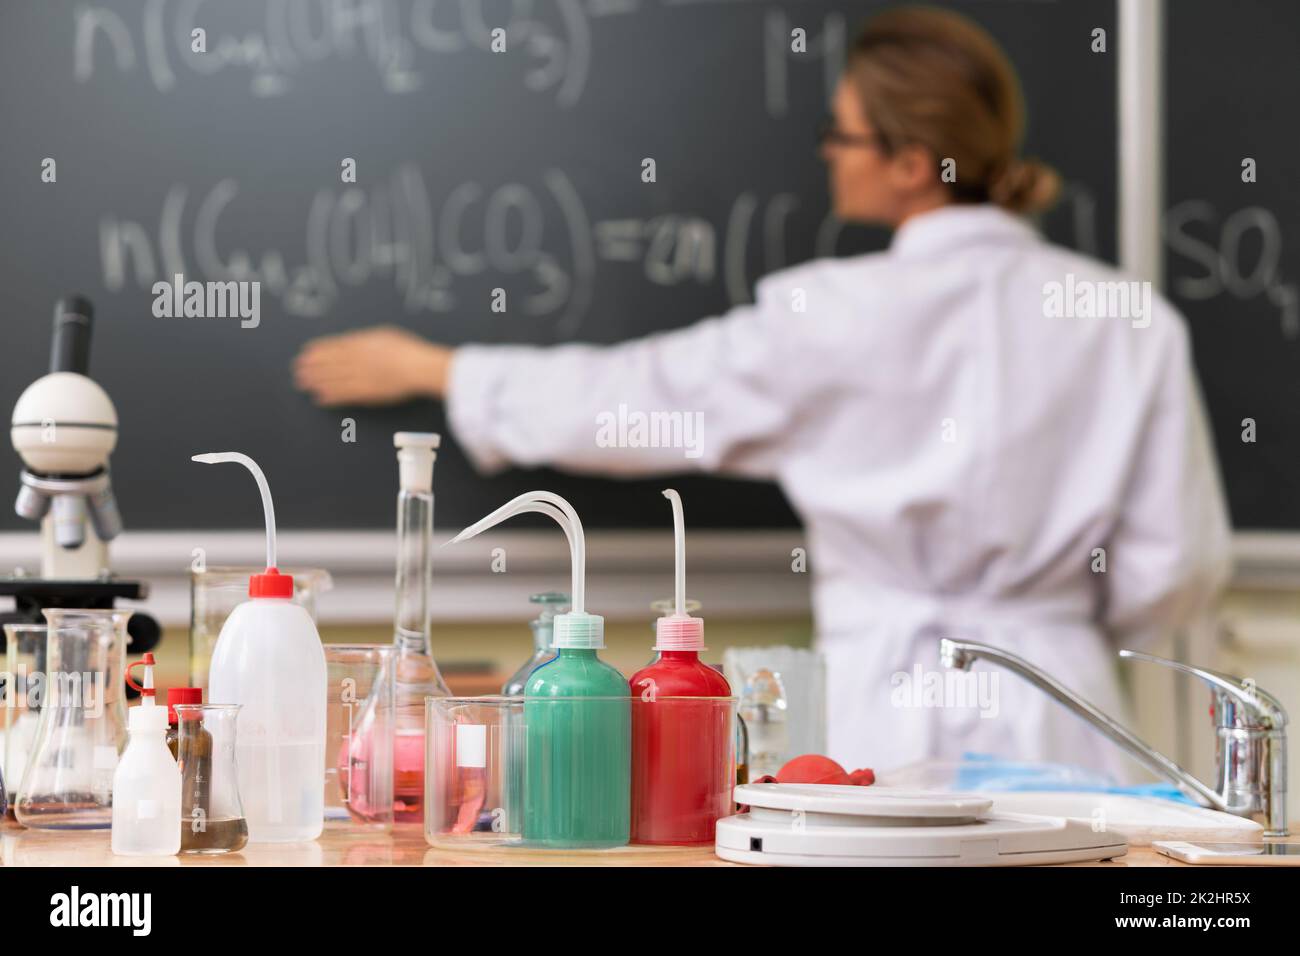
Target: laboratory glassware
269	659
418	676
550	604
577	713
147	781
742	750
68	781
763	708
212	816
359	734
24	663
682	733
475	751
216	591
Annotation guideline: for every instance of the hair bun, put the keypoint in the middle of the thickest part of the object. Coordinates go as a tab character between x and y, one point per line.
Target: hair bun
1026	186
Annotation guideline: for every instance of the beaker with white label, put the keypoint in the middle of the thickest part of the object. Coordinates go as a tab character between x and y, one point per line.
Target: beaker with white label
474	779
68	781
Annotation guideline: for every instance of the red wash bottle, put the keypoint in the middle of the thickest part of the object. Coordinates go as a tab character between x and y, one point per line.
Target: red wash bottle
682	734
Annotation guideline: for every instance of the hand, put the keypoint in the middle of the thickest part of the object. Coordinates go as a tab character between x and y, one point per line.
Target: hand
376	366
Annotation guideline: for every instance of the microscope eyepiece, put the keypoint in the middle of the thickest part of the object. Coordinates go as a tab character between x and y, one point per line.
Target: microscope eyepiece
70	350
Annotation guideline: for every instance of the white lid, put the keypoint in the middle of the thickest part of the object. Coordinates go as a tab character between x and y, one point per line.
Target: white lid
415	457
577	629
146	718
872	801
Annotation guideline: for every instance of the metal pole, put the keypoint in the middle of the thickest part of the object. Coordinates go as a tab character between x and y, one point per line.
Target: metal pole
1141	138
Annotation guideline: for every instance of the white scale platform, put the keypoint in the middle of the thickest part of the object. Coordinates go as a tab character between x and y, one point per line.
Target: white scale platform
822	825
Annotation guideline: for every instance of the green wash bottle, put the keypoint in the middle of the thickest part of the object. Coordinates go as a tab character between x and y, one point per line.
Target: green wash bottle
577	714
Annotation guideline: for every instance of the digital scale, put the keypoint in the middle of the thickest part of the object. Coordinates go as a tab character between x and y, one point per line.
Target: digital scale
790	824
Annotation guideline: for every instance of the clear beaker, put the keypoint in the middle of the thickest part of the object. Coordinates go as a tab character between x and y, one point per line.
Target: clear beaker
577	772
68	781
216	591
474	785
24	661
683	768
212	816
359	728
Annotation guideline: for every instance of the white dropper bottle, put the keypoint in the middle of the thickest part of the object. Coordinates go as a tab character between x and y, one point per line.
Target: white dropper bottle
147	781
269	660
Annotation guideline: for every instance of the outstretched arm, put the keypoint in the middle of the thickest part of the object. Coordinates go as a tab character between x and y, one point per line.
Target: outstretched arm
720	395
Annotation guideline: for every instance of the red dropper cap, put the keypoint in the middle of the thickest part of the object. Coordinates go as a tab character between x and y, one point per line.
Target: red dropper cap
270	584
146	689
181	695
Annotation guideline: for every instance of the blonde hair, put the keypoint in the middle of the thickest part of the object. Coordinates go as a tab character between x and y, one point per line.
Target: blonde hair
935	78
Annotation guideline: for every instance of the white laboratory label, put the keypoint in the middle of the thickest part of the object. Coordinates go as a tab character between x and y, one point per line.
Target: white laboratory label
471	745
147	809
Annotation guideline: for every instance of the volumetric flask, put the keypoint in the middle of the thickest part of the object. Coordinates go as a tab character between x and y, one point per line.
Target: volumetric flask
68	781
359	729
212	817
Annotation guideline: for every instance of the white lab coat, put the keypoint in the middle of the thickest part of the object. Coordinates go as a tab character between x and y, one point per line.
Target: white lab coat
957	454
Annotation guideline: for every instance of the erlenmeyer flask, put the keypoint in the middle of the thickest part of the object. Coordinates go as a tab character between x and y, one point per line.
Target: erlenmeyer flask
24	662
68	781
212	816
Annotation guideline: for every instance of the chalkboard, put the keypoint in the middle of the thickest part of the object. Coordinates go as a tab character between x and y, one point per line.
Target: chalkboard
1232	263
475	170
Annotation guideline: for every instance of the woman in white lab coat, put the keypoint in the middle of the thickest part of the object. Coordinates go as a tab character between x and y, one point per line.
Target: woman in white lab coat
983	434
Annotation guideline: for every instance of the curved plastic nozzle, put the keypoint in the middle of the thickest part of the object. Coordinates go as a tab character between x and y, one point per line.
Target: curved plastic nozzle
576	628
268	508
679	549
679	631
553	506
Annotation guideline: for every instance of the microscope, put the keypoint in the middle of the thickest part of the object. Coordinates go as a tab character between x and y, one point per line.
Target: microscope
64	429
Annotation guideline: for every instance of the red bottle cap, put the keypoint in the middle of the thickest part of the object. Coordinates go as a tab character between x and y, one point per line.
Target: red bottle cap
270	584
181	695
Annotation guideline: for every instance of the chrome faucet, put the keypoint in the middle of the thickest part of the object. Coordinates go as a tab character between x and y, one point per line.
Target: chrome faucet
1250	723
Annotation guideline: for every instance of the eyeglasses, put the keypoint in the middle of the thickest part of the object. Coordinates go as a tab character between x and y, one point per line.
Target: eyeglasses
830	134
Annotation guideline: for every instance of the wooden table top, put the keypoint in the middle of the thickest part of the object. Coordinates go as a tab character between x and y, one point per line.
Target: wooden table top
404	845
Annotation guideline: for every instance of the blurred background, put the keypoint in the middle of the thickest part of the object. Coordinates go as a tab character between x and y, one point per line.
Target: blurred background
477	171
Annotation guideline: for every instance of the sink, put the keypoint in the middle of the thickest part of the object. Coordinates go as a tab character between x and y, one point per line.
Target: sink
1139	819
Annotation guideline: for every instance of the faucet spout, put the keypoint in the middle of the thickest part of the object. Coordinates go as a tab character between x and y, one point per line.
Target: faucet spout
962	654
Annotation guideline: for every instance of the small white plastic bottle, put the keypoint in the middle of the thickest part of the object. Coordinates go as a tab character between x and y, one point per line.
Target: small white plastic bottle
269	659
147	782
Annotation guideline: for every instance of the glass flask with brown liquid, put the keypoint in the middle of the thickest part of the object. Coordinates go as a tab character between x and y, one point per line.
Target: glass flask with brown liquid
212	817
